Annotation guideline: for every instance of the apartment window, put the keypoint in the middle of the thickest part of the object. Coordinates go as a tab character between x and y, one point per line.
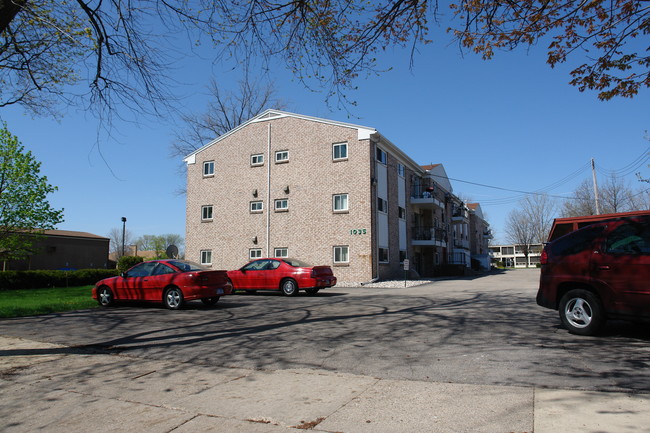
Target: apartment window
341	254
340	202
255	253
281	252
257	159
400	170
282	205
257	206
402	213
340	151
206	213
206	257
381	156
282	156
208	168
383	255
382	205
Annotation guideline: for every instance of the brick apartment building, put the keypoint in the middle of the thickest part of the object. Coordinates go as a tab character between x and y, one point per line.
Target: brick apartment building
326	192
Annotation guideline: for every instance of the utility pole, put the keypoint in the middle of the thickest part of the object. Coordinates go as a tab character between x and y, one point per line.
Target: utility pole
593	173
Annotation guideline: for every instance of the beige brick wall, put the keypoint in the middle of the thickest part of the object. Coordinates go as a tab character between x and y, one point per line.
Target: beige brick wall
309	229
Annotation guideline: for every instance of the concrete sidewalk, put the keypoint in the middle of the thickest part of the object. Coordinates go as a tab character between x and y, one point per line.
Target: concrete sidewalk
54	388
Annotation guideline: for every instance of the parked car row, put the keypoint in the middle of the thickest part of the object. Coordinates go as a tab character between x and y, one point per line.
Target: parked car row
173	282
596	273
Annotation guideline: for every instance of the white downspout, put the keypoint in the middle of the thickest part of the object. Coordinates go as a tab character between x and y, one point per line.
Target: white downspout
268	193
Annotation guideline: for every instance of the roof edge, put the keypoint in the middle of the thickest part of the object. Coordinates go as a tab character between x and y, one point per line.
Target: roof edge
364	132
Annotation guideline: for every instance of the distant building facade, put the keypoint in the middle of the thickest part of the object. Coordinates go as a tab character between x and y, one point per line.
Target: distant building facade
512	256
326	192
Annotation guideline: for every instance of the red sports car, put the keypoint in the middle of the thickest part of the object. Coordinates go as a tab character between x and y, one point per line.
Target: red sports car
171	282
286	275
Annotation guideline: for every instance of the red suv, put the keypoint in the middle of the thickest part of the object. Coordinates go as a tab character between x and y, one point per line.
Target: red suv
599	272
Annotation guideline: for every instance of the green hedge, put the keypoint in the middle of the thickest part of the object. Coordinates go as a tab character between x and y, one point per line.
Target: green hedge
15	280
127	262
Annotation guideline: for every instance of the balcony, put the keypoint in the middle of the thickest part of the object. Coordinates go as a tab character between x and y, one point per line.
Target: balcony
460	215
425	194
427	235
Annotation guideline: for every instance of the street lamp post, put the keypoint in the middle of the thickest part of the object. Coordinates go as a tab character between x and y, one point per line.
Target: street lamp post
123	233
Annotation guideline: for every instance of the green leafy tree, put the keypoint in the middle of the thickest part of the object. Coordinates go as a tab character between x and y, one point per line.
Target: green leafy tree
24	209
159	243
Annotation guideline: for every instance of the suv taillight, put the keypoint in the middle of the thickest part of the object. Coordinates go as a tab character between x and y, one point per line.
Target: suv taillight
544	257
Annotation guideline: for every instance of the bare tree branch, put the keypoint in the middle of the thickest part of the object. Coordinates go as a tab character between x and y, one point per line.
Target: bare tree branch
120	47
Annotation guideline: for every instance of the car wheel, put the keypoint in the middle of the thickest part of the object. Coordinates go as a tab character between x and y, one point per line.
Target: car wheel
173	298
312	291
581	312
210	301
289	287
105	297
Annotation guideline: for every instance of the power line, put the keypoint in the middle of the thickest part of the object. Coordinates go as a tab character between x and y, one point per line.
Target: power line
629	168
501	188
622	172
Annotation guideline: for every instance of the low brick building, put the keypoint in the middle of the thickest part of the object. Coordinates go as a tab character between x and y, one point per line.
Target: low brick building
326	192
64	249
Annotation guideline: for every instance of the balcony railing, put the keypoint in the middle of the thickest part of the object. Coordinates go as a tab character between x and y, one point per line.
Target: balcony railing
459	215
428	233
419	190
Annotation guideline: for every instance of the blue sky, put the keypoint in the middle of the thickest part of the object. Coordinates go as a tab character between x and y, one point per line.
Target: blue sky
511	122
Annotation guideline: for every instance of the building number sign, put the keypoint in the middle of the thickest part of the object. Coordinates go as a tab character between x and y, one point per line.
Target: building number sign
358	231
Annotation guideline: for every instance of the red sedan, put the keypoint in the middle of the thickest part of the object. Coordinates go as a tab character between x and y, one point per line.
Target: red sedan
171	282
285	275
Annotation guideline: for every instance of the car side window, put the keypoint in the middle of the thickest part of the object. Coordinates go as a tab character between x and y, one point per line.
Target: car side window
632	238
272	264
162	269
576	242
257	265
141	270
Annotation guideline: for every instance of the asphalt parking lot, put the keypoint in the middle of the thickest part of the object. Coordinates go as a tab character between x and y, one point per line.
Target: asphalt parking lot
483	331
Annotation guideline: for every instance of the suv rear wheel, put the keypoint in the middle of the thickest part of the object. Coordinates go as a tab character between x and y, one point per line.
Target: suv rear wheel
581	312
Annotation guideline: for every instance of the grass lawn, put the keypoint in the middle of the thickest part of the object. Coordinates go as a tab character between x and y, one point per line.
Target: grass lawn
15	303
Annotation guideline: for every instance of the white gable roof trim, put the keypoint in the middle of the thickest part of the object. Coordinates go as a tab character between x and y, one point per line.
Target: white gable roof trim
364	132
439	174
398	153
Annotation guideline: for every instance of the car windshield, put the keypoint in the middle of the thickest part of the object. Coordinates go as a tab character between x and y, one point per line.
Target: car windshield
186	265
297	263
